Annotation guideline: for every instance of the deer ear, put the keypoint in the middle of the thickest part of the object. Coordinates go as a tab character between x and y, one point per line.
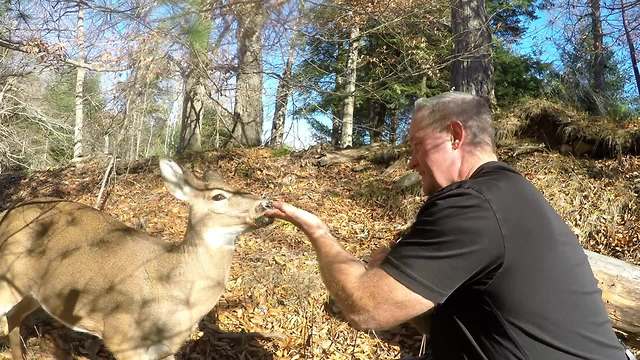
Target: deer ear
174	179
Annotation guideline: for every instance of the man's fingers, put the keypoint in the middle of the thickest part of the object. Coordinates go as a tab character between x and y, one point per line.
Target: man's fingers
288	210
301	218
279	205
276	213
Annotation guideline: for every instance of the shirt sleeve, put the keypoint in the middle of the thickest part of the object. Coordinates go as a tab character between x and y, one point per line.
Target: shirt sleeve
455	241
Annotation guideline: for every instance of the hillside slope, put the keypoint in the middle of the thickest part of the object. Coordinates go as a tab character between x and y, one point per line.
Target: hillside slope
275	304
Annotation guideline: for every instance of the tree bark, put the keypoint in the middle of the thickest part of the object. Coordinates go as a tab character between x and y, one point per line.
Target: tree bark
78	135
146	151
140	127
336	120
248	116
598	48
346	138
282	97
378	122
192	111
194	91
472	70
107	144
393	128
632	49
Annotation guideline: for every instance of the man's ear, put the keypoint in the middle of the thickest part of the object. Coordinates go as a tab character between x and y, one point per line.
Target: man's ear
457	134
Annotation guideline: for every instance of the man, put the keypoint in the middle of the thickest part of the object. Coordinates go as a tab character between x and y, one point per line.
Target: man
502	275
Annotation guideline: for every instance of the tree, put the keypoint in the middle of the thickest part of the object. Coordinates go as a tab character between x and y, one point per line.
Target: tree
518	76
346	132
285	85
509	19
630	46
282	99
593	76
471	71
59	101
194	75
402	55
78	136
247	114
598	59
575	85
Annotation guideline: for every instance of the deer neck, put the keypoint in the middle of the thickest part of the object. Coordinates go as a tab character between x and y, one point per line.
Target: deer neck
204	233
207	251
202	263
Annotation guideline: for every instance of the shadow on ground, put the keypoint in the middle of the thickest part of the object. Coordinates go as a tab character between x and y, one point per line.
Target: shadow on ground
46	338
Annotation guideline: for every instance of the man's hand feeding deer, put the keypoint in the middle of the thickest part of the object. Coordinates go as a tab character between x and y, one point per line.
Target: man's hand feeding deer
141	295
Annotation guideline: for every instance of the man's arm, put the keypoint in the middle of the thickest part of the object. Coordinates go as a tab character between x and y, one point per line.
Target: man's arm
368	297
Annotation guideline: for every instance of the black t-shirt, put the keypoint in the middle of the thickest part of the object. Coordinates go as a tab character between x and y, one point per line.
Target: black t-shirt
507	275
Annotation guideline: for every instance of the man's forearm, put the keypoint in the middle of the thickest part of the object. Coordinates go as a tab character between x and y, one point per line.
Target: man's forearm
340	272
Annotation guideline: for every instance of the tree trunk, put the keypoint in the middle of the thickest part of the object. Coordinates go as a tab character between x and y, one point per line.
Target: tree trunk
632	49
247	114
132	138
598	48
194	91
346	138
378	122
78	135
393	128
138	137
471	71
336	120
282	98
107	144
192	111
146	151
140	127
620	285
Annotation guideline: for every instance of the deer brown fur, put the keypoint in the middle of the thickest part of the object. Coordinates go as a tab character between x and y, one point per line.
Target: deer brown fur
140	294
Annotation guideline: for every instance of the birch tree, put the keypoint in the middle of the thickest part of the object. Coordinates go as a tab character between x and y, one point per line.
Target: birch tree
78	138
346	138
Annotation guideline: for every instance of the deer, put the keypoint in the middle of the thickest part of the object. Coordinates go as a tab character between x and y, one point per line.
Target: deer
142	295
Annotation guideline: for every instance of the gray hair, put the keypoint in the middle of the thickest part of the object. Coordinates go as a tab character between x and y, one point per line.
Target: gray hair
472	111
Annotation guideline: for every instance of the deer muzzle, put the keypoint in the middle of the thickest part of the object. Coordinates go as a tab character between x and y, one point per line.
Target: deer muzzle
263	206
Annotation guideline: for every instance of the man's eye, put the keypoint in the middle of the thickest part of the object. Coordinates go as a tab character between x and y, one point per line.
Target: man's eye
218	197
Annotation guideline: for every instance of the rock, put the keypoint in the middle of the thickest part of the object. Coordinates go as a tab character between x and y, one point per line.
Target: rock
409	179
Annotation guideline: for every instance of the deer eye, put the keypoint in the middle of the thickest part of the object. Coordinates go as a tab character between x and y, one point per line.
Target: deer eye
218	197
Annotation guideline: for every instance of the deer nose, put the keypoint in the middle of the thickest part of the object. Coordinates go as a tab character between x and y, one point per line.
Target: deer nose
264	205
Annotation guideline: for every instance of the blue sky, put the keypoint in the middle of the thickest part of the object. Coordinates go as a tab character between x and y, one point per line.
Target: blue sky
542	32
539	38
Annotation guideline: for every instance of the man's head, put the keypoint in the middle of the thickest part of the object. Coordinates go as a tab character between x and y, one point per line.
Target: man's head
450	136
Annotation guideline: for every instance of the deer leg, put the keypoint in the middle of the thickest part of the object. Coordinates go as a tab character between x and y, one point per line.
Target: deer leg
14	317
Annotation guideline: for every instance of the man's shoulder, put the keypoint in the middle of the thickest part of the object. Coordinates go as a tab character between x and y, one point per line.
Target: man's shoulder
495	172
460	207
499	181
488	175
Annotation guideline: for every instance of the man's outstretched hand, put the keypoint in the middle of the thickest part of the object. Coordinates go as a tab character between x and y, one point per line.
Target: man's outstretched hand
304	220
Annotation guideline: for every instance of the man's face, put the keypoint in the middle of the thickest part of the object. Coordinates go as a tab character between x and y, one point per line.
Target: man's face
432	157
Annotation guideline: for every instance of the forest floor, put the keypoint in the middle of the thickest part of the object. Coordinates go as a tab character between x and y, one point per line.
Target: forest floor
275	306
